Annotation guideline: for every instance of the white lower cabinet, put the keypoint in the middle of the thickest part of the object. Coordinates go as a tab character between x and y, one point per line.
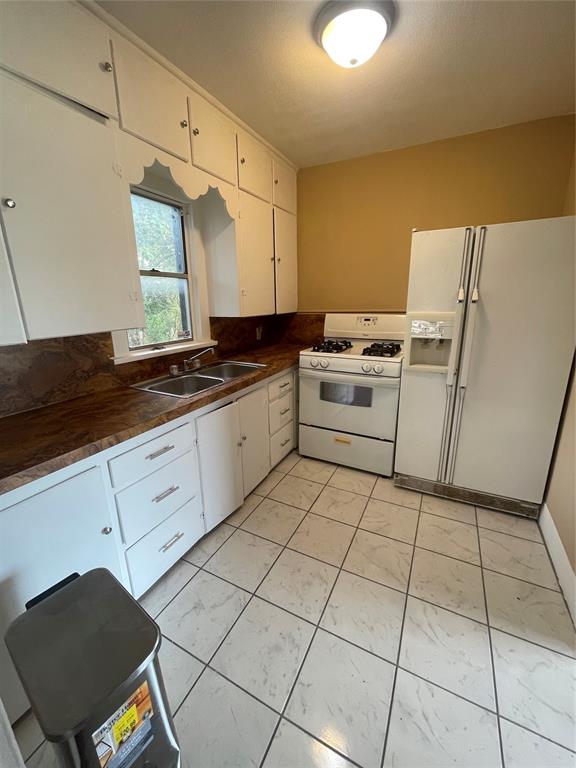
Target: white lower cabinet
255	442
65	529
220	457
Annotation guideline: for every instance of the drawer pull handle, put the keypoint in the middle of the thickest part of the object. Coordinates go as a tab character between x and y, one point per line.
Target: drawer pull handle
166	493
171	542
285	411
286	384
284	443
106	531
343	440
160	452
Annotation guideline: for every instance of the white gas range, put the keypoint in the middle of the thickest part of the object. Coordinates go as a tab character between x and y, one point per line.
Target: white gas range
349	391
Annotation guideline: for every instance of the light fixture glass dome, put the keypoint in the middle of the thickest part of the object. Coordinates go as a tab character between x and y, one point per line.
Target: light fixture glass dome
351	33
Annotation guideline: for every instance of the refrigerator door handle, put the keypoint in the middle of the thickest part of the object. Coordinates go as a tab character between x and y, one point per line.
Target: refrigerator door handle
463	267
476	283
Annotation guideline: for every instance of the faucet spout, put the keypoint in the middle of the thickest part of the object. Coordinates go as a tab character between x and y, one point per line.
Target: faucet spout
192	363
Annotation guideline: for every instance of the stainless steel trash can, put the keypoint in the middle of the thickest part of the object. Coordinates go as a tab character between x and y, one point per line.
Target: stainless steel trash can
87	656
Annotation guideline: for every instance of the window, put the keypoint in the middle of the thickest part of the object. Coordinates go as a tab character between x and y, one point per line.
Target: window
162	258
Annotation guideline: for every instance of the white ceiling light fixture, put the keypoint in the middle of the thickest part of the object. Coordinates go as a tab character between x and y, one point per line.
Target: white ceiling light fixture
352	32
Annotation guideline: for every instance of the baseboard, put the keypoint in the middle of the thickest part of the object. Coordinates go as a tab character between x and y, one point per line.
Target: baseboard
566	576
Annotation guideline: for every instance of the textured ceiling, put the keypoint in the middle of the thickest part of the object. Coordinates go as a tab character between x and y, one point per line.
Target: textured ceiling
448	68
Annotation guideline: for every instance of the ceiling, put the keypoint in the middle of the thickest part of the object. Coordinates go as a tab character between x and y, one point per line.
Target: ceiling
447	68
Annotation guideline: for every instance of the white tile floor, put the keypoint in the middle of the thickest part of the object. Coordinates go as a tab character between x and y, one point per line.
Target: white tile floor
344	622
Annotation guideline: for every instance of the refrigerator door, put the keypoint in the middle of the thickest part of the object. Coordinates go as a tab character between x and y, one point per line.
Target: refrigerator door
516	358
439	272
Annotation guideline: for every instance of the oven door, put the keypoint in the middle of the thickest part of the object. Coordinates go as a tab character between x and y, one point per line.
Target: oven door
348	402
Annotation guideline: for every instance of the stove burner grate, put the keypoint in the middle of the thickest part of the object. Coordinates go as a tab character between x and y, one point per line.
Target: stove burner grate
382	349
334	346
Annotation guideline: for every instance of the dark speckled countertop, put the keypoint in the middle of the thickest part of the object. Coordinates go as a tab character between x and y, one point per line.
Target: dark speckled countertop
37	442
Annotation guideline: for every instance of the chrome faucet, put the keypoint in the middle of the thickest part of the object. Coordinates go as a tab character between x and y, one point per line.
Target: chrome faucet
191	363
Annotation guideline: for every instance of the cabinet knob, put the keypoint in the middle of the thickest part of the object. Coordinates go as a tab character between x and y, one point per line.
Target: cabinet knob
278	259
106	66
196	131
239	443
9	203
107	530
243	437
242	160
184	123
272	258
275	181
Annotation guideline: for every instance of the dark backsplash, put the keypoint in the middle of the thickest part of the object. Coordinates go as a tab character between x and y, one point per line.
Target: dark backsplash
49	371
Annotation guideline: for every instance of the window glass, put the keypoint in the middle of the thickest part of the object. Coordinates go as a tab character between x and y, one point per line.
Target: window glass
167	312
159	239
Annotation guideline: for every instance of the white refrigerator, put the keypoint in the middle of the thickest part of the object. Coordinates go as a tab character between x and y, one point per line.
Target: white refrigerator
489	346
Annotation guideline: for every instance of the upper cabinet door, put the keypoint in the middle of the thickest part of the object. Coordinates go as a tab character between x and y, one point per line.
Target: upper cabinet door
11	326
68	234
61	46
255	256
254	167
284	189
153	103
213	139
286	261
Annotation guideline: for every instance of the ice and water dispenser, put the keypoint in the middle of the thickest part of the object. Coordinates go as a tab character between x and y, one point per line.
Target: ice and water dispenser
429	339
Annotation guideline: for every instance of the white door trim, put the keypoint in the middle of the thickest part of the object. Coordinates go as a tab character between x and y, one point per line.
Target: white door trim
560	561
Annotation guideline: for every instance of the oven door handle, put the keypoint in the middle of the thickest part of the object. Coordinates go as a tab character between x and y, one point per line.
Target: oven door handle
355	379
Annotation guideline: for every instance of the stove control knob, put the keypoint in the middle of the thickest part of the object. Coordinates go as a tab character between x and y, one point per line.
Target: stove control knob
314	363
378	368
324	363
366	367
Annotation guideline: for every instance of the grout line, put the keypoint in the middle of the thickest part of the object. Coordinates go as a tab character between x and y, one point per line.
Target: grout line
450	519
540	735
513	535
393	690
324	743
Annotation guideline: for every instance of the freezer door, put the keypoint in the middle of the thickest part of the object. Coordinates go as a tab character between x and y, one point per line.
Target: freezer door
439	273
516	358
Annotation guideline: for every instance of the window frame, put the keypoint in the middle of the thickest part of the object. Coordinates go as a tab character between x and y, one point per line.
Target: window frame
196	279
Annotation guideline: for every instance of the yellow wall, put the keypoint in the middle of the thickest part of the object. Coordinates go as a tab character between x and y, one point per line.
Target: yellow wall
356	216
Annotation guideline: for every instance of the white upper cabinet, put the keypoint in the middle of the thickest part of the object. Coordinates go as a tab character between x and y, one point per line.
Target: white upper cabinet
286	261
68	235
284	186
254	167
153	103
11	325
255	256
213	139
61	46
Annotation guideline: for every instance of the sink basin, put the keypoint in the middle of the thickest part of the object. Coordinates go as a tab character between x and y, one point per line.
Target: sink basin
182	386
229	369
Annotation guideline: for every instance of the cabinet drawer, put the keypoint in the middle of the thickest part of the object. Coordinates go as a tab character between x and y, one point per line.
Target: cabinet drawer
281	443
281	412
151	455
281	386
161	548
145	504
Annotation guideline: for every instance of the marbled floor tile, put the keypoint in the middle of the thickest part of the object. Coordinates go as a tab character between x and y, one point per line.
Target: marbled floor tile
264	650
536	688
385	490
343	506
157	598
433	728
220	726
201	615
299	584
44	757
323	538
292	748
296	492
342	696
203	551
523	749
367	614
531	612
270	481
250	504
516	557
244	559
376	557
390	520
353	480
449	650
512	524
455	510
448	537
448	583
28	734
179	671
274	520
313	469
288	462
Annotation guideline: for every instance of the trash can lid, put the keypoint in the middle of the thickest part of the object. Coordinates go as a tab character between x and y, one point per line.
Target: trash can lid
76	647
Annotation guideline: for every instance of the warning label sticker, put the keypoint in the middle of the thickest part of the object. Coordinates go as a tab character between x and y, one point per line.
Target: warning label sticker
127	732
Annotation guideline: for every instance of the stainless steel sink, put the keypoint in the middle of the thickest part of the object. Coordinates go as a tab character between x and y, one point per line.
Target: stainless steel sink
230	369
181	386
